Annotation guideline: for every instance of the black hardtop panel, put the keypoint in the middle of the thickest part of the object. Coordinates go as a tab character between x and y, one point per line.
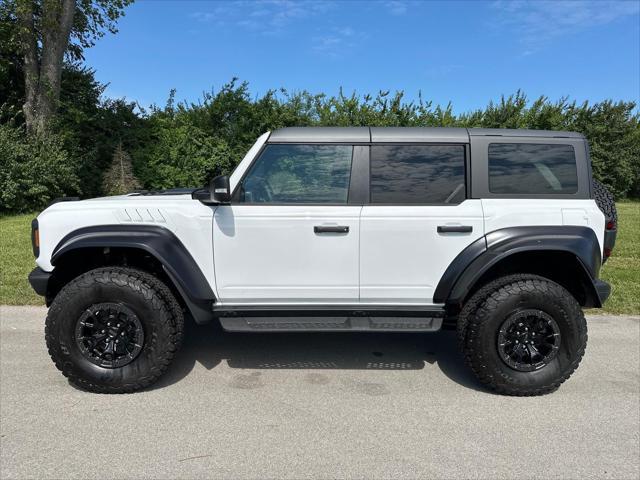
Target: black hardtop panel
404	134
320	135
419	134
513	132
369	134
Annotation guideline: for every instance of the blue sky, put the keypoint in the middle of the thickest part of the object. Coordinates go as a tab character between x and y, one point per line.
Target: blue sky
464	52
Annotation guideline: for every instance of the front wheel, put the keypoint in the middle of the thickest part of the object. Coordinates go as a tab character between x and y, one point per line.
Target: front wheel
114	330
523	335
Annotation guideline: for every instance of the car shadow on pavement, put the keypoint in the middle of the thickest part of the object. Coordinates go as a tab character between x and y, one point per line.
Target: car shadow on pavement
209	345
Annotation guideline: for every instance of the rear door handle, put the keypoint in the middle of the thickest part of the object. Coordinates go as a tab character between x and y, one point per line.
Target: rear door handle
455	228
331	229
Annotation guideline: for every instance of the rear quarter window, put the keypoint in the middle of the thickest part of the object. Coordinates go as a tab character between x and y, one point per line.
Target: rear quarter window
532	168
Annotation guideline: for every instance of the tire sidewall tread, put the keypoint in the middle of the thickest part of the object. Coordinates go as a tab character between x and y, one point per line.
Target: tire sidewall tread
605	201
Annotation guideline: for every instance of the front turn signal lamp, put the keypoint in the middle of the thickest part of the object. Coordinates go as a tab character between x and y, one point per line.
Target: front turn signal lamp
35	237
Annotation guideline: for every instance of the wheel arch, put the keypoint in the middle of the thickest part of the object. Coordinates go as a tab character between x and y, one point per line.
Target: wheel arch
568	255
148	247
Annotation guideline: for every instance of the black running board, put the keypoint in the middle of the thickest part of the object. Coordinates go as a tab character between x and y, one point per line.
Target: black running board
330	319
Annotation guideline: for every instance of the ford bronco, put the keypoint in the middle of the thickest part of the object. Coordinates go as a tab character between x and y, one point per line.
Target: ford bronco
501	233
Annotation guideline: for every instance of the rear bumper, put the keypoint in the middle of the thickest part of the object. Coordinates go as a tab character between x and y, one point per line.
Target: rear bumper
603	289
39	280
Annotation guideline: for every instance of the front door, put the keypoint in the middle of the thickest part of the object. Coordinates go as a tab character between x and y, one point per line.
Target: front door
417	222
290	235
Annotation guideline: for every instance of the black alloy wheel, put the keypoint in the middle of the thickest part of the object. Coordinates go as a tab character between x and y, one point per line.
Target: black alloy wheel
109	335
528	340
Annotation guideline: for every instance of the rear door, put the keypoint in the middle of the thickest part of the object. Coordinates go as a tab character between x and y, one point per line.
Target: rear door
291	235
417	222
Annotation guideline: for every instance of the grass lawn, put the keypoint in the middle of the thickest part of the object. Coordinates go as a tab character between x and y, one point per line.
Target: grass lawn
622	270
16	261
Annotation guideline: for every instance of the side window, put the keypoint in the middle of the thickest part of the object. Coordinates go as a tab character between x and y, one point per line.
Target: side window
532	168
417	174
299	174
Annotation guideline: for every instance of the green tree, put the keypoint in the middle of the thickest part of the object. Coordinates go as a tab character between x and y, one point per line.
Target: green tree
47	31
613	131
11	76
93	127
178	153
34	169
119	177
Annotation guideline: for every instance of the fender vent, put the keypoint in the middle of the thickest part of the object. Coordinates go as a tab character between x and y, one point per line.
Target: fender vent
141	215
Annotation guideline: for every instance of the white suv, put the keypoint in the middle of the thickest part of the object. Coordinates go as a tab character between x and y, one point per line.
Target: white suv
501	232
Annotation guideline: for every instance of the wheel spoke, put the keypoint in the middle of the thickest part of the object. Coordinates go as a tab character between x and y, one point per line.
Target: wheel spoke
533	353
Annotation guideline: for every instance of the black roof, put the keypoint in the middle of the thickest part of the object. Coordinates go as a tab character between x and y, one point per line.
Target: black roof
402	134
321	134
517	132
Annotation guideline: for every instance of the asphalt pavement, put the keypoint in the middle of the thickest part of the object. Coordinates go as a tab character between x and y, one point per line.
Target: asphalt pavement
344	405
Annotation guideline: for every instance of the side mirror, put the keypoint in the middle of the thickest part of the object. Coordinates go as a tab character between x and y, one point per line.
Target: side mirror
219	191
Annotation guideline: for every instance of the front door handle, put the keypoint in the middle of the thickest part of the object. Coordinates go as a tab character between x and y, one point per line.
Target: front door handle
331	229
455	228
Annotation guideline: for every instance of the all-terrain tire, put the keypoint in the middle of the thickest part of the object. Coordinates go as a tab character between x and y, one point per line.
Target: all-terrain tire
147	297
605	201
492	305
472	304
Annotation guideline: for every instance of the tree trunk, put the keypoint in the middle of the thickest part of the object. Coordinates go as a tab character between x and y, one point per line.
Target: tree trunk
42	75
56	28
29	46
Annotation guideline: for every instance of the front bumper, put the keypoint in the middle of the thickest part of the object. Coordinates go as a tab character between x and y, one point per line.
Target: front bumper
603	289
39	280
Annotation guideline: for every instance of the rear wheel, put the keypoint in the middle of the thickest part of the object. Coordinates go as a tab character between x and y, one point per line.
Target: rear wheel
523	335
114	330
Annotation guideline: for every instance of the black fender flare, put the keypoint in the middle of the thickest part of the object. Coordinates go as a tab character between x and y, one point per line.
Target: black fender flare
159	242
469	266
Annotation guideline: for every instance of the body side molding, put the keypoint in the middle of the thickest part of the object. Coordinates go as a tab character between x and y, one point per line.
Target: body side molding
159	242
474	261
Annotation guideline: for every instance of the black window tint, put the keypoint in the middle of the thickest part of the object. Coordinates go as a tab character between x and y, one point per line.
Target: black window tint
532	168
299	174
417	174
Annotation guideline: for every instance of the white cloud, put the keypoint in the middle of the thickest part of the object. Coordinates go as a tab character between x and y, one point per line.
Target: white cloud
272	17
396	7
337	41
263	16
537	23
